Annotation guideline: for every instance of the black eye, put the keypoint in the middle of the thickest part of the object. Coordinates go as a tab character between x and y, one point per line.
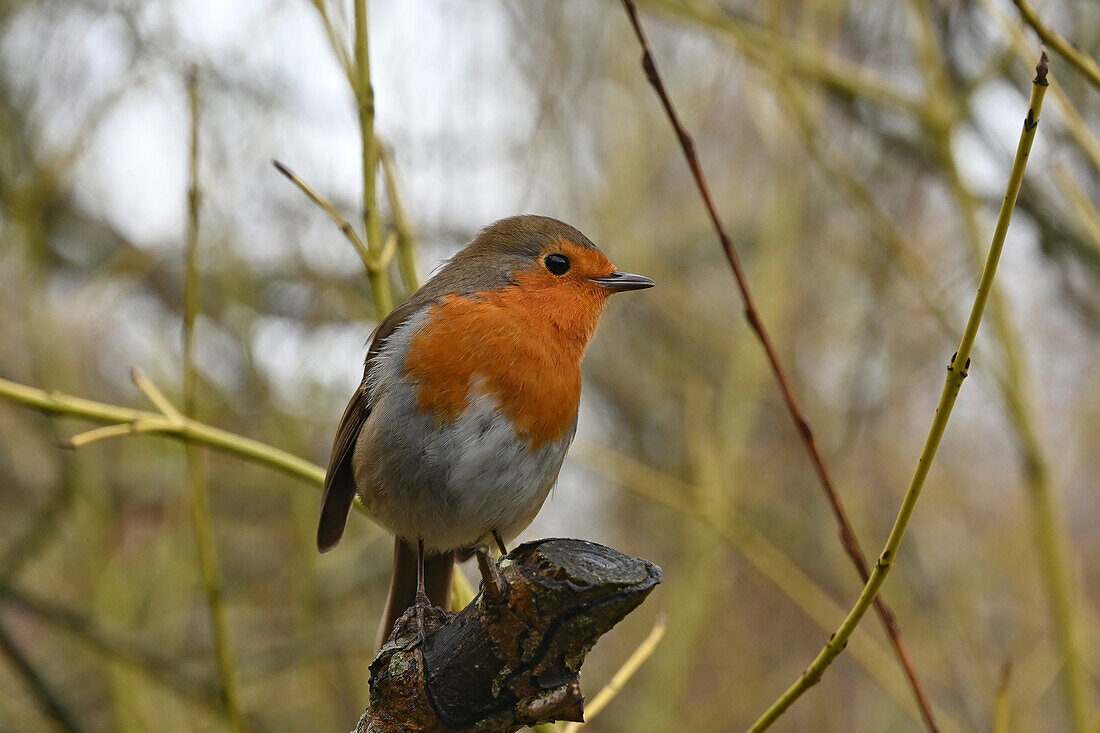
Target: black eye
557	264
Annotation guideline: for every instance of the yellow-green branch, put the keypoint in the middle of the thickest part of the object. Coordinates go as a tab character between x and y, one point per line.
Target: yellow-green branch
1014	389
372	223
956	373
406	237
57	403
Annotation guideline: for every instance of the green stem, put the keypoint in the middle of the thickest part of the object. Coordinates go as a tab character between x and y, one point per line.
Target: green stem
1048	532
956	373
198	496
346	228
1014	387
193	431
372	224
740	534
406	237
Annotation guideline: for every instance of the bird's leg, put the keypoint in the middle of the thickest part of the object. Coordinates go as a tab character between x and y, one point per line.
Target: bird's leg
490	575
500	543
420	616
423	603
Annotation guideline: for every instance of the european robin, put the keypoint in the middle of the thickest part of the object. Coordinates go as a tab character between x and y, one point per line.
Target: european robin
469	401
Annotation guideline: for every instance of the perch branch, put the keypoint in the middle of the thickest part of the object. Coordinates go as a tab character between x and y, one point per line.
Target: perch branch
511	660
847	535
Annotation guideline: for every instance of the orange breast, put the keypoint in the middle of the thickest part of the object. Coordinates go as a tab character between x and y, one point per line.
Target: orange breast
522	344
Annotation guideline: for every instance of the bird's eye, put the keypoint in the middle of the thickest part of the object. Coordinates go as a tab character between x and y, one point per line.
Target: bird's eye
557	264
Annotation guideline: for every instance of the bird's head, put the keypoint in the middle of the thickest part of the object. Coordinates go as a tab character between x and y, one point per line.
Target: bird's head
544	267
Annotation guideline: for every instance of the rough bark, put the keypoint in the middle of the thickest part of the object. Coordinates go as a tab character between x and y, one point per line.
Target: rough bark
512	657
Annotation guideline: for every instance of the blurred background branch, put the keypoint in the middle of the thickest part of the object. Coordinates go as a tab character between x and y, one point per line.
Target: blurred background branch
1082	61
197	495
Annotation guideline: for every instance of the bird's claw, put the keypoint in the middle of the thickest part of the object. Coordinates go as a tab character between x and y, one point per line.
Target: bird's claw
422	617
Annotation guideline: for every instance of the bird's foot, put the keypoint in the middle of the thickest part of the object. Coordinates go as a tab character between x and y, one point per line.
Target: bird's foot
419	621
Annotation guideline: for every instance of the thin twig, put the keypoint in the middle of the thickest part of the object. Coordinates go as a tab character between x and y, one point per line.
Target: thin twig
198	496
105	432
956	373
1070	116
345	226
375	253
406	237
58	403
339	49
150	390
1075	56
847	535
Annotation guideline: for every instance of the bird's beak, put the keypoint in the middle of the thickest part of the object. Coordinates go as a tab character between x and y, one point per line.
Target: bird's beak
618	282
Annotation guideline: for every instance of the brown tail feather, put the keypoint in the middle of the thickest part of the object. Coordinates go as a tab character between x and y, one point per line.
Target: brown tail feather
438	570
335	507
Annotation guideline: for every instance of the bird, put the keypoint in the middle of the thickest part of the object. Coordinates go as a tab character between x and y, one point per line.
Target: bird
468	402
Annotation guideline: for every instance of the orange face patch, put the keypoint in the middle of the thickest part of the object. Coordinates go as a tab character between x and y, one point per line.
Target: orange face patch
523	343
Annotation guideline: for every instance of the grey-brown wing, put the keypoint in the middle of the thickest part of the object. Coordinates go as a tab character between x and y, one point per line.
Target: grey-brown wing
339	492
